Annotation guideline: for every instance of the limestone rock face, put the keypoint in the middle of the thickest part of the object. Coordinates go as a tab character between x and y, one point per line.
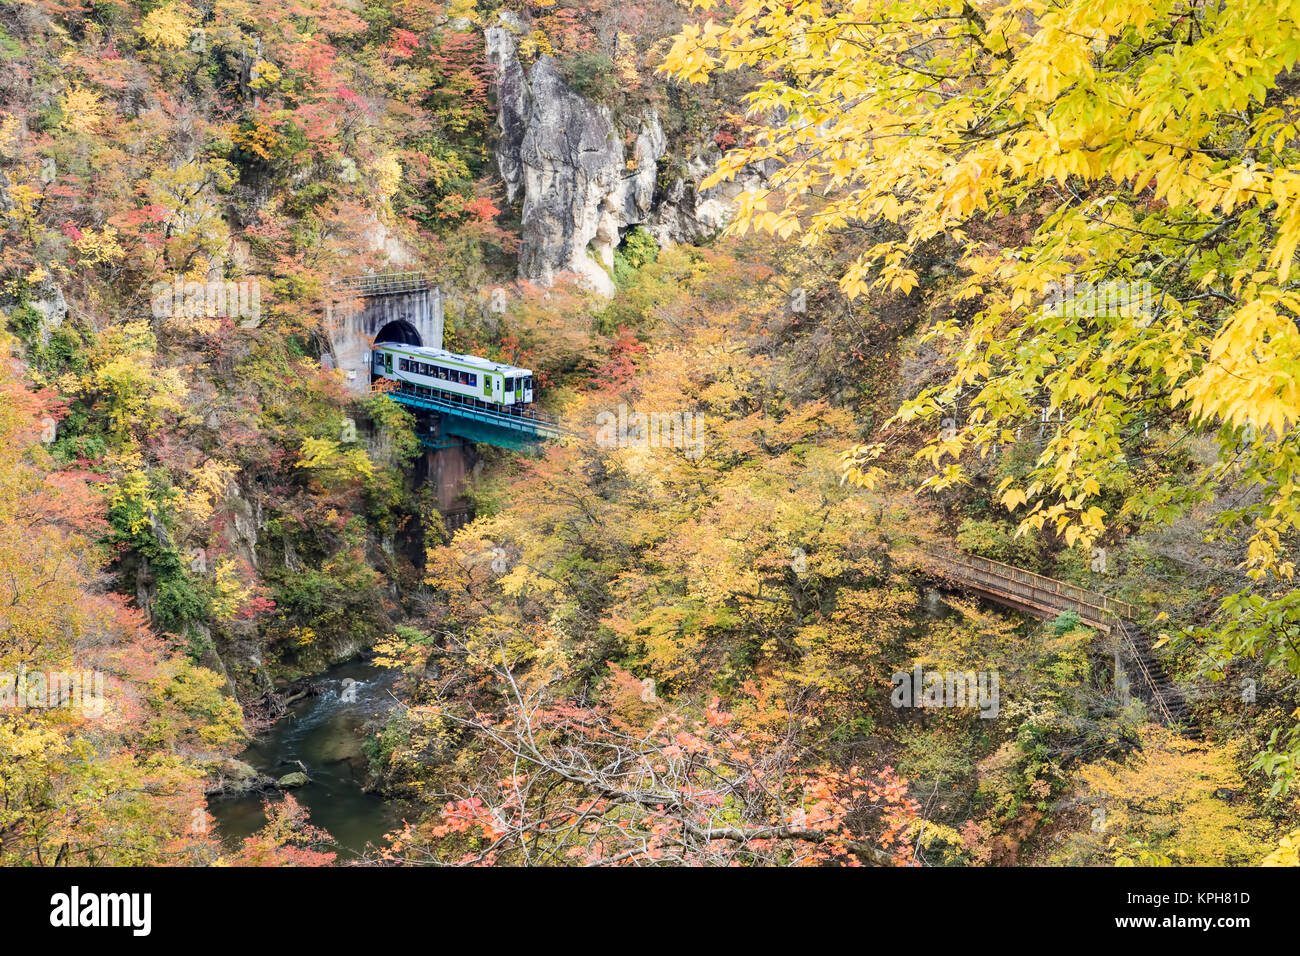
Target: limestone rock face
685	213
580	187
245	521
512	106
52	307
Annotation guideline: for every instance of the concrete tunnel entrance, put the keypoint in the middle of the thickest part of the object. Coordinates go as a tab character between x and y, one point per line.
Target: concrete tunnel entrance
400	331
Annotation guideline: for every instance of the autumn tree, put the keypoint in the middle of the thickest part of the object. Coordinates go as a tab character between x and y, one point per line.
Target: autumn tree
1153	148
583	785
112	774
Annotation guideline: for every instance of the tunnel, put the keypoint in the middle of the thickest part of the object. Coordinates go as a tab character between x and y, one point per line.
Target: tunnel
399	331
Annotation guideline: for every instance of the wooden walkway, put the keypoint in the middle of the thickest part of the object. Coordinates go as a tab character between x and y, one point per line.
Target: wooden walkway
1045	598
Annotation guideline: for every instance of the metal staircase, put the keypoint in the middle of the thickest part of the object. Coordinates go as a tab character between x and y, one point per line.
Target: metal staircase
1046	597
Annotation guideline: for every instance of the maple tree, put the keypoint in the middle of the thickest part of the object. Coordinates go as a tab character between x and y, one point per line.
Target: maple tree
116	777
629	592
1151	146
286	839
174	146
1189	779
582	786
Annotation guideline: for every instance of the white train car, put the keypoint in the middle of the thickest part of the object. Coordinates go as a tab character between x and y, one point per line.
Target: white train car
466	376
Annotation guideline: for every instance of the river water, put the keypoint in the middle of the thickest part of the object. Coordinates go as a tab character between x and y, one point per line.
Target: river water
324	733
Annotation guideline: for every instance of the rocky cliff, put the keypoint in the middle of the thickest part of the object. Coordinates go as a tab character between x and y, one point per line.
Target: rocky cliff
582	180
563	153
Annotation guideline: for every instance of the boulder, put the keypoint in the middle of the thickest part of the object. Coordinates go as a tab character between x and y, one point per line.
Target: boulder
234	777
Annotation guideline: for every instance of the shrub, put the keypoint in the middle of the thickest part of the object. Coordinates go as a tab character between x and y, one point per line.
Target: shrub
25	322
591	74
993	540
637	249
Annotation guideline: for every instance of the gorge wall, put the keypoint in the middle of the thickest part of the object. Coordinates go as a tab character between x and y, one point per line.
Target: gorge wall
581	179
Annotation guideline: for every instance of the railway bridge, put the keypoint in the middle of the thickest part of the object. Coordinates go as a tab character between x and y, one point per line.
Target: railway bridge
459	420
1045	598
406	307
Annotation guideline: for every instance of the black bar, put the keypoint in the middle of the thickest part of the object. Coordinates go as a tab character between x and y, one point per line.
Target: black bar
918	908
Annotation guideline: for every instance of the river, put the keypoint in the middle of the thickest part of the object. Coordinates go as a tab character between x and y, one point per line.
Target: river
325	733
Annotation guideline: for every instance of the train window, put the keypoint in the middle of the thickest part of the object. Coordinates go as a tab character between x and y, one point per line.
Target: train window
510	384
403	365
473	379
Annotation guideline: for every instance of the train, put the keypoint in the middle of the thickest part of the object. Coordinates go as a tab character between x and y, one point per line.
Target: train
429	371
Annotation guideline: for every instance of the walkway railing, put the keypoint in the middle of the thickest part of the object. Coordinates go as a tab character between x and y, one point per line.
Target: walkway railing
1046	597
1168	703
387	283
1034	590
